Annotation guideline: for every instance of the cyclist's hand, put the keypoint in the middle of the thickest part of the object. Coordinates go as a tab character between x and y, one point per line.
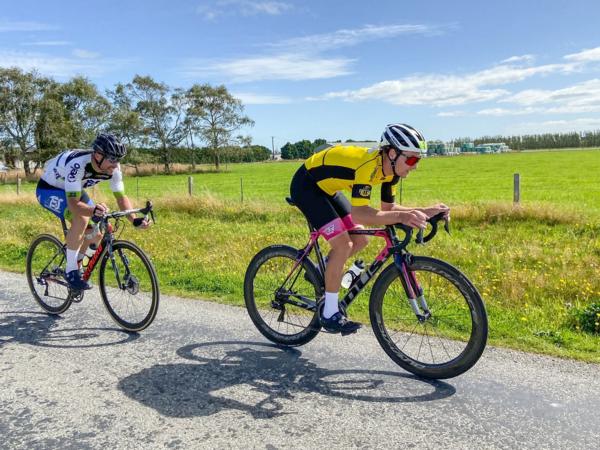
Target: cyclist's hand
100	210
141	223
433	210
414	218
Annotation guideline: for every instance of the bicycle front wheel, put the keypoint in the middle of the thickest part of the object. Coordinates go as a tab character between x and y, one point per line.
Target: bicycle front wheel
129	286
281	295
45	267
448	337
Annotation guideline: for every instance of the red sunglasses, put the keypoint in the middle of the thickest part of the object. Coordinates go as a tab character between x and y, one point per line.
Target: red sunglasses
411	160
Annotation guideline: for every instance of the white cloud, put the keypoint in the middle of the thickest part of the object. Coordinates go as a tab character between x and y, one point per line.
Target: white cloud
6	26
519	59
450	90
212	10
85	54
556	126
582	97
249	98
347	38
56	66
507	112
589	55
278	67
452	114
46	43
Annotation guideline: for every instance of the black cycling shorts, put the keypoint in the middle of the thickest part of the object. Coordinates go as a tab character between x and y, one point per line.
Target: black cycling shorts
326	213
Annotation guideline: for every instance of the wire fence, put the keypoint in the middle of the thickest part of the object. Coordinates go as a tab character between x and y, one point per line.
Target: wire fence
275	188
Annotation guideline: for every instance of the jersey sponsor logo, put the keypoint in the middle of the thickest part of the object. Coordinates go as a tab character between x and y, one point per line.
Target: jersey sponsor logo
73	173
364	191
90	183
54	203
56	174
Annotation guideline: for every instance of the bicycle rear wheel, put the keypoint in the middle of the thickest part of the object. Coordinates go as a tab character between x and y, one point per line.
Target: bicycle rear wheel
129	286
45	267
281	295
445	343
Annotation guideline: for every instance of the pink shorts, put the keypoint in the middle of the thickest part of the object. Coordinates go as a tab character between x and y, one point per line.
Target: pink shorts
337	226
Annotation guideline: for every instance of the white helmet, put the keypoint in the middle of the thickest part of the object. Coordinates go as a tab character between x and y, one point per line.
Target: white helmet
404	138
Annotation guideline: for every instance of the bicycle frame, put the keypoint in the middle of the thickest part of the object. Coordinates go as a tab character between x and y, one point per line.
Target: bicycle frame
393	247
107	230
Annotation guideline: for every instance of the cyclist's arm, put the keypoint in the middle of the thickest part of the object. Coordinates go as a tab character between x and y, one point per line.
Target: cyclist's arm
118	189
395	207
124	203
365	215
429	211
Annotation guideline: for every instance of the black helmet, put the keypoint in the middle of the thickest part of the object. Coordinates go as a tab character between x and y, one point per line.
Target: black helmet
108	145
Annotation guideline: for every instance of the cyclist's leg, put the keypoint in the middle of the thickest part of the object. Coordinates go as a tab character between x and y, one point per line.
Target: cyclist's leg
75	238
318	208
343	208
93	239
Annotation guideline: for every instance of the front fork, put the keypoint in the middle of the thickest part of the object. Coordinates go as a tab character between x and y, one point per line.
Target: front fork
111	255
414	291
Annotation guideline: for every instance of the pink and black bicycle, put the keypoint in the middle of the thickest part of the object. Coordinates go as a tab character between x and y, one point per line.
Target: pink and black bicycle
425	313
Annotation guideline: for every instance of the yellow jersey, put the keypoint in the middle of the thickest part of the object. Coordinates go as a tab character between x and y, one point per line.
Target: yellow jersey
351	168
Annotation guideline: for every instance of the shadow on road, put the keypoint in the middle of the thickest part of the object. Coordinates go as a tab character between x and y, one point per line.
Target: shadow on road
40	329
261	379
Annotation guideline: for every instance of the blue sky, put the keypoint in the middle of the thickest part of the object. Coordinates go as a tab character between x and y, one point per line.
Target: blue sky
335	69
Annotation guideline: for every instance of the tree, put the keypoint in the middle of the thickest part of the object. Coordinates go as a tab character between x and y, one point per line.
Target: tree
87	110
161	112
215	115
21	95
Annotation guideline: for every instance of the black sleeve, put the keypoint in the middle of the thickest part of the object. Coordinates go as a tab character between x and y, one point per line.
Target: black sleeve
387	190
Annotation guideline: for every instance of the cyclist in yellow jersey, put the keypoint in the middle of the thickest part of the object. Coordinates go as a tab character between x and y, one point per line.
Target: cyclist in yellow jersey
316	190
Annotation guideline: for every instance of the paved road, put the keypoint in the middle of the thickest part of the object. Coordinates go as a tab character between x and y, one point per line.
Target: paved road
202	377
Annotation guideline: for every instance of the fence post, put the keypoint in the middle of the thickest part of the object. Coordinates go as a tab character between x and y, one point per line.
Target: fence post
18	185
242	189
517	189
190	185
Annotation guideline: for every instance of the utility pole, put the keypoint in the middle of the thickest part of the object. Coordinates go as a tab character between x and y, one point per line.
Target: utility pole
273	145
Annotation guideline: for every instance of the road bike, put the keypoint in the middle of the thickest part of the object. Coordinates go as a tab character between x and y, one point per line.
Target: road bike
127	279
426	314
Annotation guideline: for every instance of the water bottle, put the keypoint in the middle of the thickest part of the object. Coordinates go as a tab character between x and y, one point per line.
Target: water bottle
353	273
91	250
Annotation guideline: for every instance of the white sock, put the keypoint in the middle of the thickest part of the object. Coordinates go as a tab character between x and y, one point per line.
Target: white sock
331	304
72	260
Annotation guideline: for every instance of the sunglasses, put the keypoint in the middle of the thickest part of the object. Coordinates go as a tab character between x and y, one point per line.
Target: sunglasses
109	159
411	160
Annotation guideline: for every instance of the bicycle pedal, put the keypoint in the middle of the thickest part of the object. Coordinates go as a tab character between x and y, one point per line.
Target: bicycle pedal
347	333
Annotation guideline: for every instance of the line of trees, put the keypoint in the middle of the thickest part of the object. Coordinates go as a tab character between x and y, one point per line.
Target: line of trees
40	117
304	148
572	139
301	149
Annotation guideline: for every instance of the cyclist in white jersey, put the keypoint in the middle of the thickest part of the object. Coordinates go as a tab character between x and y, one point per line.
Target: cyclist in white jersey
61	190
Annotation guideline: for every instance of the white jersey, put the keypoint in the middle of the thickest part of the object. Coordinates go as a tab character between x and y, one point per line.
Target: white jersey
72	171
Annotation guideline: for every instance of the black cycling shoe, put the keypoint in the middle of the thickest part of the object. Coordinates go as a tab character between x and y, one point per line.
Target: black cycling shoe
76	282
338	323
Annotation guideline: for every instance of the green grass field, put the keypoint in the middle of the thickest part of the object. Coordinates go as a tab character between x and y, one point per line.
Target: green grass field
536	266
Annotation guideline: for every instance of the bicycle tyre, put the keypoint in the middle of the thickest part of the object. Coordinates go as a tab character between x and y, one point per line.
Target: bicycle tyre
150	281
445	281
61	304
310	281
